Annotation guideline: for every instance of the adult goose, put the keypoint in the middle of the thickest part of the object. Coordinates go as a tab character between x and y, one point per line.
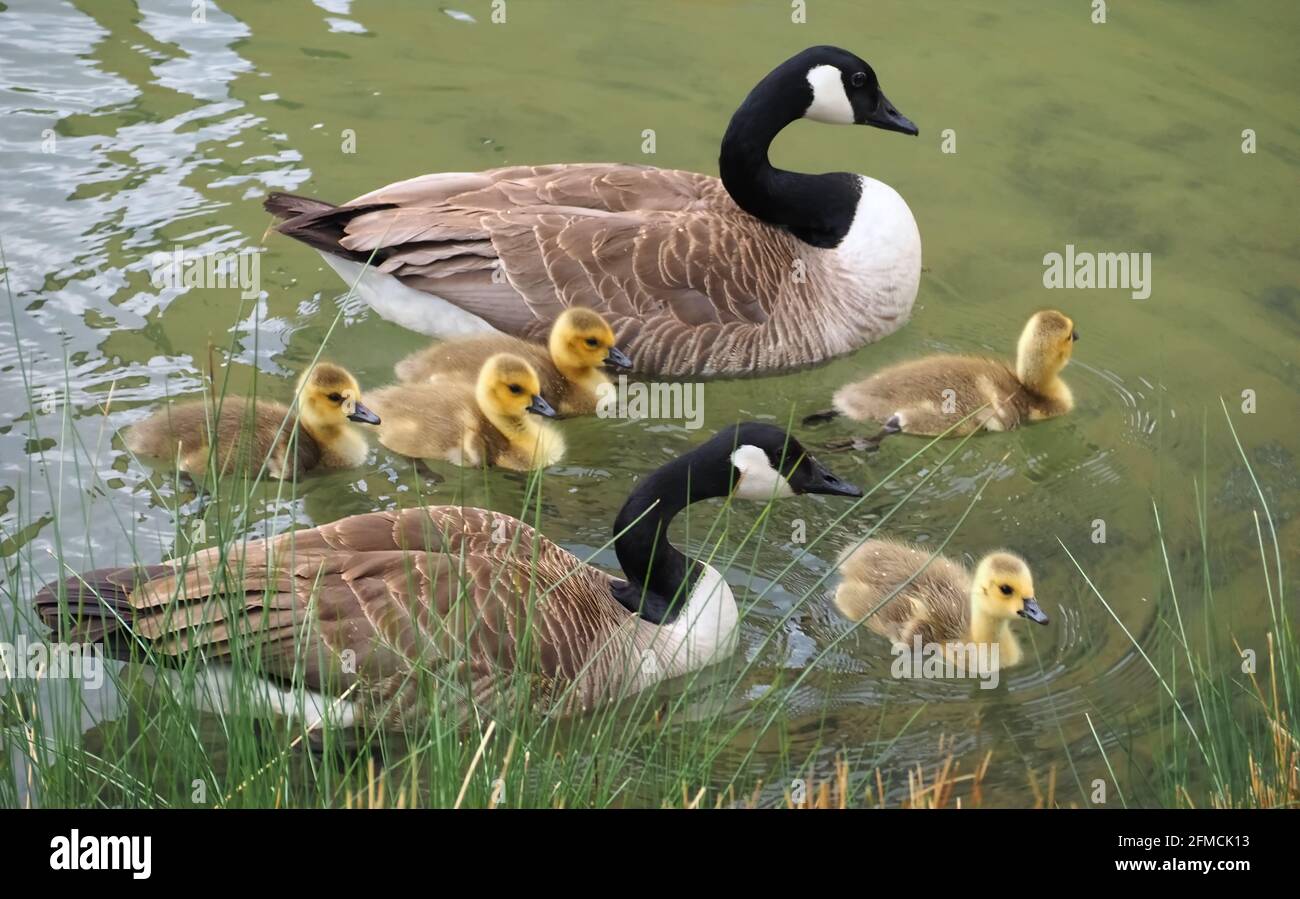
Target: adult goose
759	271
370	612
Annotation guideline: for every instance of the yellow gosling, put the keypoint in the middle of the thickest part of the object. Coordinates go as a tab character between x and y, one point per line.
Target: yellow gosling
581	344
497	421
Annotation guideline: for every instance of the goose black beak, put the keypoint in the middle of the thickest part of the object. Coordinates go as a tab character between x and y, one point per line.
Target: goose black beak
887	117
540	407
1074	335
1033	612
618	360
363	415
813	477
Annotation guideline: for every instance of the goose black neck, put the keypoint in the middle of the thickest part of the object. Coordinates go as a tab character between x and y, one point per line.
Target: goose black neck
817	209
659	576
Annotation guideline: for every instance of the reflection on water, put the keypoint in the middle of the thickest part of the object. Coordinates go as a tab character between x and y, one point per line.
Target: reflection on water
128	132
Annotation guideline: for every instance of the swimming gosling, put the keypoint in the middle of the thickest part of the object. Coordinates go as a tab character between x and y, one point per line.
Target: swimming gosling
581	343
254	431
493	422
928	396
944	604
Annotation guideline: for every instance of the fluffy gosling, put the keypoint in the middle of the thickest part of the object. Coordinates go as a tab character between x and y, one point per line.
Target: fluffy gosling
581	343
252	432
930	395
944	604
493	422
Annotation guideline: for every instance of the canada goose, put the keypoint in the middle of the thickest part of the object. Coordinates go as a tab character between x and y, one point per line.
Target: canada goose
943	604
580	343
355	609
487	423
759	271
928	396
328	398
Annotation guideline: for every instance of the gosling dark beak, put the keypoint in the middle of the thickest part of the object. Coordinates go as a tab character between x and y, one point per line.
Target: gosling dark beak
540	407
618	360
1033	612
887	117
1074	335
813	477
363	415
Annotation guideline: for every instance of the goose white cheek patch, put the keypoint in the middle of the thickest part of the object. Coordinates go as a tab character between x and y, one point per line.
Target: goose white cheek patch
830	103
758	479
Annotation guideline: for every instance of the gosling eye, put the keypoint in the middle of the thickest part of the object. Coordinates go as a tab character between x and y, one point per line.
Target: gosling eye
515	388
335	398
593	342
1006	589
858	79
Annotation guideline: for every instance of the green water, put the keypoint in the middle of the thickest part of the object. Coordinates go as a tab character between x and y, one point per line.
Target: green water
128	129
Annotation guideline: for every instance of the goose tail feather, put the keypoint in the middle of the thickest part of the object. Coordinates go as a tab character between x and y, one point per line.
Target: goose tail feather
94	607
320	225
821	417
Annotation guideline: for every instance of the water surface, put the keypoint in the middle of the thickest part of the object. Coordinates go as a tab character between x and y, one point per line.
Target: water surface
130	129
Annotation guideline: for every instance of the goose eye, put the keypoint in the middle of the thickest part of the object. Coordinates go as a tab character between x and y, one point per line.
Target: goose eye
515	388
335	398
1006	589
858	79
592	342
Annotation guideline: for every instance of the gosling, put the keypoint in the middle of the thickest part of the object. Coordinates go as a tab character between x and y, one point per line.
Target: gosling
319	435
581	343
491	423
944	604
965	393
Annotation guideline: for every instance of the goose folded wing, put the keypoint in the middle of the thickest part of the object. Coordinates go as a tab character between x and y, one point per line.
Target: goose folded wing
382	598
658	252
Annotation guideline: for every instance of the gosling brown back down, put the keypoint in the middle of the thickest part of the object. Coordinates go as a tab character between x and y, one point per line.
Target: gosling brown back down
443	422
245	434
932	395
878	567
463	358
466	356
929	396
569	366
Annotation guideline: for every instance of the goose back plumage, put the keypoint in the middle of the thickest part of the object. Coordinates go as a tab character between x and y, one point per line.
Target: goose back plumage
690	283
373	605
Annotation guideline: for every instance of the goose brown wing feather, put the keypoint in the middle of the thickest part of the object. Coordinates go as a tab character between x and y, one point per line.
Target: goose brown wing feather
683	275
396	593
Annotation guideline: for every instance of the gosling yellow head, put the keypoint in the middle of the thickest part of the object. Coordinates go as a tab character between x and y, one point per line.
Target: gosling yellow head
1002	589
329	397
582	341
508	388
1046	344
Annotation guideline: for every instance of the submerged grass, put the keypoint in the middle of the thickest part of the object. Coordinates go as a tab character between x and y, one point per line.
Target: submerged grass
1229	728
